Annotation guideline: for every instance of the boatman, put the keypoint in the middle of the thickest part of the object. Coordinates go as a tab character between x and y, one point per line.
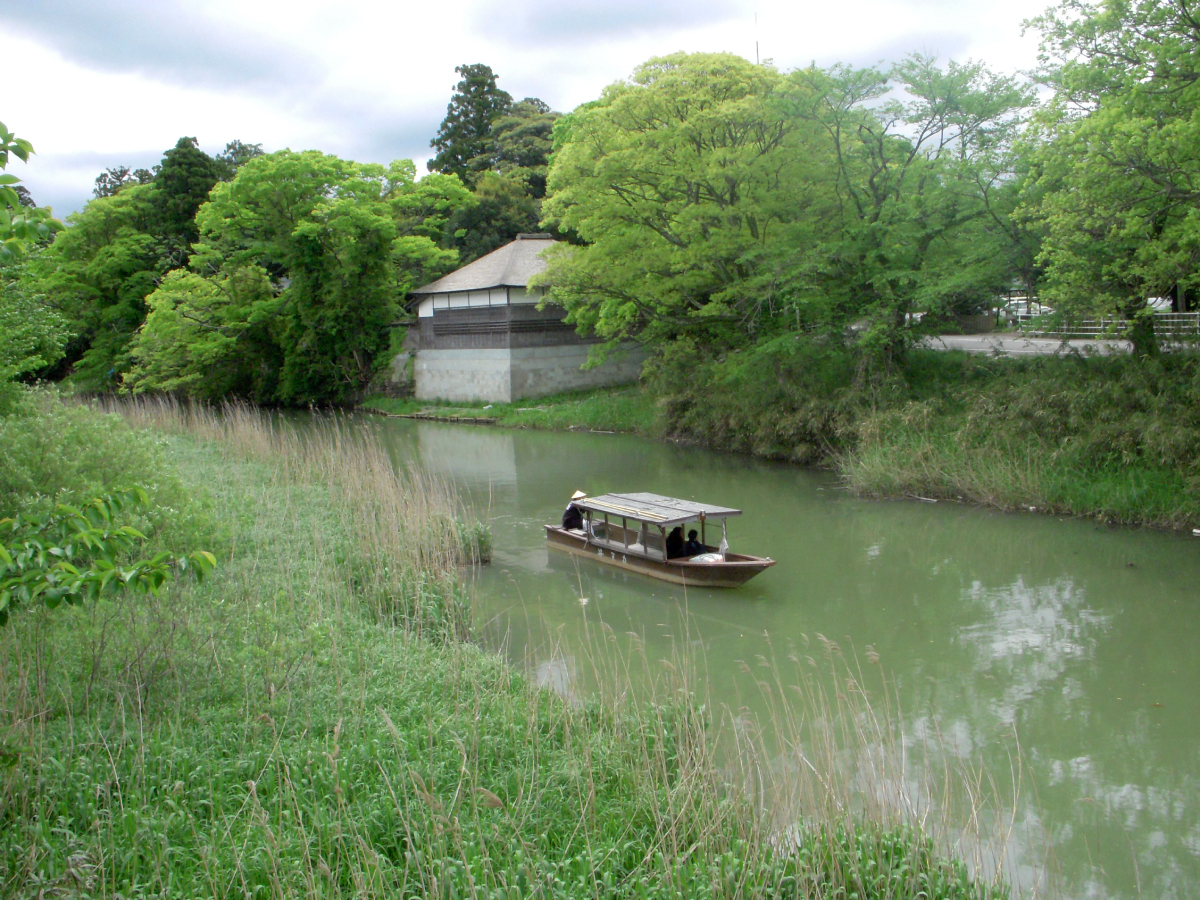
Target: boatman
573	515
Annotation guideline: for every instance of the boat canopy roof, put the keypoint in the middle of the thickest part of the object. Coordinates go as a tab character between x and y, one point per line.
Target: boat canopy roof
654	508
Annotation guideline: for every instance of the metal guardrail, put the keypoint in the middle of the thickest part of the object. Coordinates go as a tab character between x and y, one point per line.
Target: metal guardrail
1167	326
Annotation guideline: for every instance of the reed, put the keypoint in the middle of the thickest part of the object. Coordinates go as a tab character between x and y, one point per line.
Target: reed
410	533
303	724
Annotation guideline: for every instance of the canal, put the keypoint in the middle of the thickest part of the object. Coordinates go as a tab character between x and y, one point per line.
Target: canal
1073	644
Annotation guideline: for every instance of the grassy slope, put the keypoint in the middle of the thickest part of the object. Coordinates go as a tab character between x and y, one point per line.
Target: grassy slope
1111	438
627	409
271	733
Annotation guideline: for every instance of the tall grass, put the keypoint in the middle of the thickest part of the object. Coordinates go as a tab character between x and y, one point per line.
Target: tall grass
409	532
309	722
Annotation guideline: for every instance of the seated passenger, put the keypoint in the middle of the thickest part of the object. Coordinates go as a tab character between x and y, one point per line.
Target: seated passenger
675	543
572	517
693	546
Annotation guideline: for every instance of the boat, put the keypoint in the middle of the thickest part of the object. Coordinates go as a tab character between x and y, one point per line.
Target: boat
629	531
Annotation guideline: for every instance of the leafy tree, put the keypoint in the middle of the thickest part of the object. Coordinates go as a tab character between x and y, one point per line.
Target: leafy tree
301	263
21	225
75	554
235	155
922	218
1117	167
501	210
520	143
465	132
97	275
680	182
139	226
111	181
725	202
32	335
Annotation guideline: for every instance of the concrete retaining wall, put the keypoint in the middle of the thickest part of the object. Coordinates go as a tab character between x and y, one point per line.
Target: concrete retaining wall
504	375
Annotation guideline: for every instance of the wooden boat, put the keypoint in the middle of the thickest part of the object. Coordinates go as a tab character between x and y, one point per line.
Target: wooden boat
629	531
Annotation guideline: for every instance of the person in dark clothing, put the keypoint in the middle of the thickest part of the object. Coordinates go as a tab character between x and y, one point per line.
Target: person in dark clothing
693	546
572	516
675	543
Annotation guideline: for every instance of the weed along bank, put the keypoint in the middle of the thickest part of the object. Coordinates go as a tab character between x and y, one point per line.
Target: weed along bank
483	335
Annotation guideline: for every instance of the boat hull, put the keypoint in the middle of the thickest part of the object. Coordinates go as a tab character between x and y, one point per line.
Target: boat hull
735	571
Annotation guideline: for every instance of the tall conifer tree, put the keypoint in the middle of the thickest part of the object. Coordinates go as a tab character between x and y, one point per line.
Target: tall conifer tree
465	132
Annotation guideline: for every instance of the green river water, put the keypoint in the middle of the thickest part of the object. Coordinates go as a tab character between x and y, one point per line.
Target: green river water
1076	641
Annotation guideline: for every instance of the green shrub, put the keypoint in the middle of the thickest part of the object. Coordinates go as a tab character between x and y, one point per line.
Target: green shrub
51	450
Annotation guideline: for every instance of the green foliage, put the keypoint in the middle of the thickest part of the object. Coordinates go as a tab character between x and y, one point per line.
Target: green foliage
521	143
97	274
1115	158
679	181
52	452
183	180
922	160
465	133
235	155
21	225
116	178
793	397
296	279
722	201
501	210
71	555
32	335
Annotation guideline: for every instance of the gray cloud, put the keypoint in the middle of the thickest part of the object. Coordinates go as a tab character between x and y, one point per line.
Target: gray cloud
944	46
584	21
158	40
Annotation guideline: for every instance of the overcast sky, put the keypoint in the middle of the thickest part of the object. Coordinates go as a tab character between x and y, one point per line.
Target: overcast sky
99	83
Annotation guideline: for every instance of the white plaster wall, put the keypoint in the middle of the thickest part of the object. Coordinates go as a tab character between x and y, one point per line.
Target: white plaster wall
539	371
461	375
521	295
501	376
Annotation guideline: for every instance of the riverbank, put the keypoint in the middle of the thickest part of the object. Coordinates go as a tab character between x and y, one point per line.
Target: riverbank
314	719
1112	438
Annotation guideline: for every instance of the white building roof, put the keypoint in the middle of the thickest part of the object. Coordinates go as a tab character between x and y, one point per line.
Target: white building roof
510	266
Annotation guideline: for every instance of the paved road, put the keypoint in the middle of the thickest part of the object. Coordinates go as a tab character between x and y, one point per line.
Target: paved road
1015	344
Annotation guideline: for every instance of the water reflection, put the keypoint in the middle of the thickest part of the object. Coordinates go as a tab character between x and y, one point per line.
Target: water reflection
1075	640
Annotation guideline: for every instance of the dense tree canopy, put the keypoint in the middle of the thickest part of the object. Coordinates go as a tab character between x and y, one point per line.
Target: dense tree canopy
141	225
726	200
707	200
1116	158
301	264
32	335
680	182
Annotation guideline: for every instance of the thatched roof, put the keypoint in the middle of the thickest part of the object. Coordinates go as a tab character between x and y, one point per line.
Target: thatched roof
510	266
